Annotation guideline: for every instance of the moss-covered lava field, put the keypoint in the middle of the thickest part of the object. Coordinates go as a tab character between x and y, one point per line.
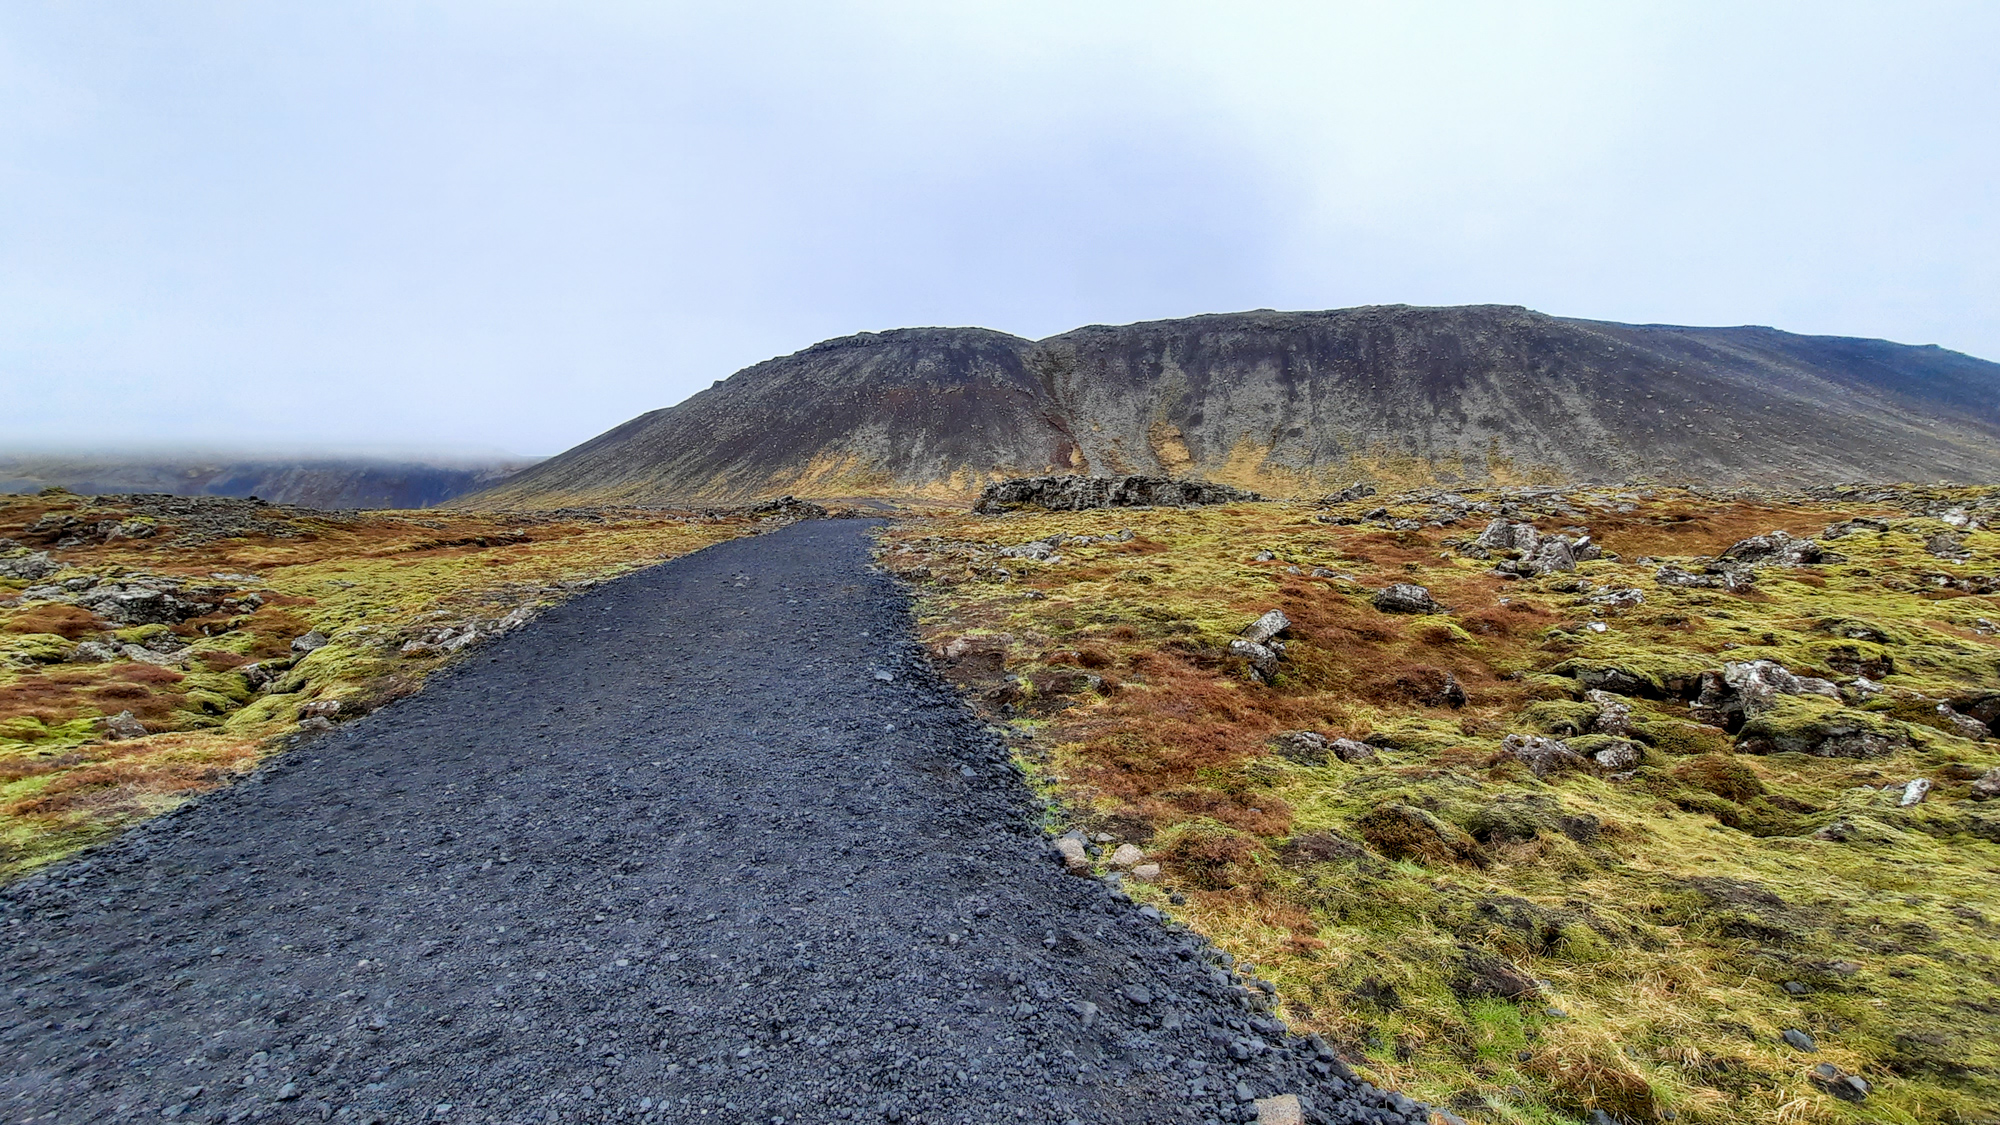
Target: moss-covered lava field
1651	804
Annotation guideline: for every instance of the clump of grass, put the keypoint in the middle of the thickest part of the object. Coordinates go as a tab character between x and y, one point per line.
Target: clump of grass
1680	915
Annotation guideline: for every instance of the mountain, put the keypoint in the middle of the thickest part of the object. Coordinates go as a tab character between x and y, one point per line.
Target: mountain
1290	402
313	483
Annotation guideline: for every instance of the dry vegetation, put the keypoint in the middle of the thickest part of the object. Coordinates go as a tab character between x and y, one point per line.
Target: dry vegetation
1630	940
103	720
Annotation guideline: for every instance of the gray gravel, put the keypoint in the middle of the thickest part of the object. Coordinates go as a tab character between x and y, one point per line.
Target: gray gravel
709	843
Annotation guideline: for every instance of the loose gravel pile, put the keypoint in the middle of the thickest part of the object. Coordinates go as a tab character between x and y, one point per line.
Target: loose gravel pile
709	843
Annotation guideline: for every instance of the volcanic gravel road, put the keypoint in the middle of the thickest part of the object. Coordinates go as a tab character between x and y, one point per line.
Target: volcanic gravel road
707	843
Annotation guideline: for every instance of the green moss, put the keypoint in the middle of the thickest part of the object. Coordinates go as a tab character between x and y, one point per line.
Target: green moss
1676	736
1558	717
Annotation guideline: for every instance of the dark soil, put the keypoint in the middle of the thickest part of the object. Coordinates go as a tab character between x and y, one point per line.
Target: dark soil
708	843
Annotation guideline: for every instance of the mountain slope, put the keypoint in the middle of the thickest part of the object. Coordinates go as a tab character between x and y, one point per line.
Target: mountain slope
1290	402
312	483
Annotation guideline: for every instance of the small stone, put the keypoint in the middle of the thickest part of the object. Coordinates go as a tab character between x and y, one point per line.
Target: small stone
1914	792
1137	993
1244	1093
1799	1040
1405	597
1085	1011
123	726
1146	872
310	642
1795	988
1281	1110
1127	855
288	1091
1073	855
1988	786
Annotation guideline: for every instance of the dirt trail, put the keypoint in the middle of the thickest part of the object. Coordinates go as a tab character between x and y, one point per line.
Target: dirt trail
708	843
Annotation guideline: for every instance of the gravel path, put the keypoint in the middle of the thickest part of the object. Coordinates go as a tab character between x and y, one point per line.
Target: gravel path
709	843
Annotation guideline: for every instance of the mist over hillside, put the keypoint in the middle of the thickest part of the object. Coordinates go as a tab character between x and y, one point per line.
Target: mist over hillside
316	482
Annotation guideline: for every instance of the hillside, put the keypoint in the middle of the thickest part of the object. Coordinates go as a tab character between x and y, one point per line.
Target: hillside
330	483
1288	403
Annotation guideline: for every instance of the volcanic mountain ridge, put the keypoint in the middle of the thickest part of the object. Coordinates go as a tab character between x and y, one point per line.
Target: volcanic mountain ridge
1288	403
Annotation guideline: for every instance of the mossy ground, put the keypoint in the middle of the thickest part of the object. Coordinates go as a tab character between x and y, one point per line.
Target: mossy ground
370	582
1667	911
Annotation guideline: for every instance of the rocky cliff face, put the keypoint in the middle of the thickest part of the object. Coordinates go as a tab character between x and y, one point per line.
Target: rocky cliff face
1293	402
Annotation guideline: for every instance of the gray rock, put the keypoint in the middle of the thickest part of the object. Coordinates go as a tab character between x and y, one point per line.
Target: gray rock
1799	1040
1623	756
1263	659
1965	726
310	642
1987	787
1776	548
1914	792
1270	624
1542	755
1732	579
1405	597
122	726
1072	494
1947	545
1749	688
93	652
29	567
1614	715
1073	854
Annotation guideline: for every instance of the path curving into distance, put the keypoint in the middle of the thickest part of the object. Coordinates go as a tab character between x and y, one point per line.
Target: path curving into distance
709	843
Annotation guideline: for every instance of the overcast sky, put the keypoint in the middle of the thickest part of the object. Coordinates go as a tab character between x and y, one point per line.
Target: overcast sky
509	226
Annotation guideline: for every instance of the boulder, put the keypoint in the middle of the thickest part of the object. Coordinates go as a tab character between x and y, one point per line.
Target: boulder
1074	857
1352	752
123	726
1127	855
1614	715
30	567
1263	659
1073	493
1776	548
310	642
1965	726
93	652
1808	724
1314	749
136	603
1947	545
1742	690
1619	757
1731	579
1543	755
1405	597
1272	623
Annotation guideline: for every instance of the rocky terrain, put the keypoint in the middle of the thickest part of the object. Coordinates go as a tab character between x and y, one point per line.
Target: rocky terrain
155	646
706	843
327	483
1295	404
1541	804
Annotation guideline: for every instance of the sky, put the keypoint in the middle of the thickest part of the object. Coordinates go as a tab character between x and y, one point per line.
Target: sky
464	228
